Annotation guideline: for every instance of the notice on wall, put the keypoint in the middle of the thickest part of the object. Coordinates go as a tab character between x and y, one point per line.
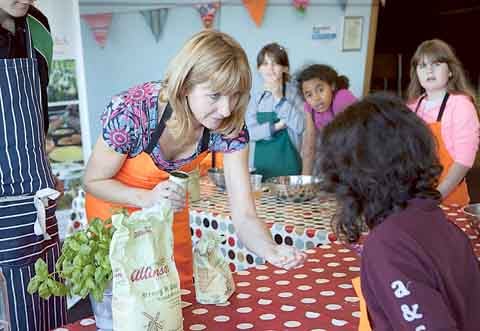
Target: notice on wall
323	33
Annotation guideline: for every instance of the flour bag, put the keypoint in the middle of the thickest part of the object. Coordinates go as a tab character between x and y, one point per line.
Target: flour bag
146	286
213	278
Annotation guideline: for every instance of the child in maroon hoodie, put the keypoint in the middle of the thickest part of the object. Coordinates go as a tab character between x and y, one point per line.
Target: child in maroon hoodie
418	270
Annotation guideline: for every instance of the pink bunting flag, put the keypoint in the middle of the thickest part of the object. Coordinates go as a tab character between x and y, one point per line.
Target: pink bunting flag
207	13
99	24
301	5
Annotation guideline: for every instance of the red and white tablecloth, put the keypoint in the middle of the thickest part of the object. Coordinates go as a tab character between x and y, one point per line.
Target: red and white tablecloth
318	296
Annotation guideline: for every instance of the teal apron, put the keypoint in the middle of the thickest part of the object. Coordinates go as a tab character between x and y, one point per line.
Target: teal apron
277	156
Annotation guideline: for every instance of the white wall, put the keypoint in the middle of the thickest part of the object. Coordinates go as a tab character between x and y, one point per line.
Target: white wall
132	56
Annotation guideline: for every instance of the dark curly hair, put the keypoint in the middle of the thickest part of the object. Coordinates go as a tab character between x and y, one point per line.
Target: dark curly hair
377	155
323	72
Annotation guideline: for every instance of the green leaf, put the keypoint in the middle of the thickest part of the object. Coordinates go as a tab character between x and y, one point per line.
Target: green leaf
33	285
84	250
78	261
97	295
82	237
77	288
60	290
74	245
66	271
100	275
41	268
83	292
76	275
88	271
44	291
90	284
51	283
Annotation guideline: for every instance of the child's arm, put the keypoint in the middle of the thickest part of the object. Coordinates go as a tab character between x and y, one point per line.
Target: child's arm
455	175
308	145
256	130
290	111
399	288
463	131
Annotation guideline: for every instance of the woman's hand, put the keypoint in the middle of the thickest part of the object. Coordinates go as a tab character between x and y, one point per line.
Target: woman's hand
168	190
286	257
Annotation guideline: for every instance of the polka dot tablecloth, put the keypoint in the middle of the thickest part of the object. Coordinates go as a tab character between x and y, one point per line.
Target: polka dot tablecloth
315	214
318	296
303	225
467	223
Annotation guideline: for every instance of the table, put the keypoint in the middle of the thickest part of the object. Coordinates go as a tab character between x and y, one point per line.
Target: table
317	297
303	225
467	223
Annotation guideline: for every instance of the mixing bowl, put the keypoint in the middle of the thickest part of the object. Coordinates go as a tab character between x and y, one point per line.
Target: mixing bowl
294	188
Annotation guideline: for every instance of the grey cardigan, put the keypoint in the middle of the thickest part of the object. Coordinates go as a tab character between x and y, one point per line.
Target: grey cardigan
289	109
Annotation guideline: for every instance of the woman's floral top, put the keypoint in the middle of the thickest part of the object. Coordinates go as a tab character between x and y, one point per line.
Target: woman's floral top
131	117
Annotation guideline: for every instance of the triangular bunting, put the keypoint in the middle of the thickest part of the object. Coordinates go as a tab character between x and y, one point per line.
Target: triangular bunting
156	19
207	13
99	24
256	9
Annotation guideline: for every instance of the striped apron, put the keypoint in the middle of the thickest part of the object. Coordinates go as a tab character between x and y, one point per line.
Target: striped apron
24	170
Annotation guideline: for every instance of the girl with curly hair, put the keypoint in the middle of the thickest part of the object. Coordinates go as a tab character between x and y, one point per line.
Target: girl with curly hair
326	94
418	270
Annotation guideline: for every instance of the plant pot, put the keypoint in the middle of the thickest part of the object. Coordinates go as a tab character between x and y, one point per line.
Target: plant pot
103	310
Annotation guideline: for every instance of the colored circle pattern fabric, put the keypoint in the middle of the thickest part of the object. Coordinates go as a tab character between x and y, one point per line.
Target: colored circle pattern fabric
315	297
303	225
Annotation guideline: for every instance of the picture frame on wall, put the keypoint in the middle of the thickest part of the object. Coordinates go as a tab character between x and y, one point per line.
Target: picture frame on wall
352	33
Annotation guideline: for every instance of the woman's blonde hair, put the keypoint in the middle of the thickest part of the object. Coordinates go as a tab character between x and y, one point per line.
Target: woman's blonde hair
213	57
437	50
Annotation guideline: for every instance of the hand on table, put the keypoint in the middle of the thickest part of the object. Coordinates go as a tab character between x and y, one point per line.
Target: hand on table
168	190
286	257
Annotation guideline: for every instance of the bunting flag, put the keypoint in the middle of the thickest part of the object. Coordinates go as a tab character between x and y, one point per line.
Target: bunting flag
99	24
256	9
155	19
301	5
207	13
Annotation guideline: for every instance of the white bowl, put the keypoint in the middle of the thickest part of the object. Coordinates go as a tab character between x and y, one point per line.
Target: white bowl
473	210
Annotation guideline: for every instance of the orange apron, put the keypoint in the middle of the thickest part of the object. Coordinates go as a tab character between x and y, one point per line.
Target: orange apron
213	160
142	172
364	324
459	195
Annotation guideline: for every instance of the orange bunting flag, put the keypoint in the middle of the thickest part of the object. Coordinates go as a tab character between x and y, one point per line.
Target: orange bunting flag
99	24
256	9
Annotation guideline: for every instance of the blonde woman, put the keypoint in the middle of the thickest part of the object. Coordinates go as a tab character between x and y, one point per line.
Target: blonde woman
159	127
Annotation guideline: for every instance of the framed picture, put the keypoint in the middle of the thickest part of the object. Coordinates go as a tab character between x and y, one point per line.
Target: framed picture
352	33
